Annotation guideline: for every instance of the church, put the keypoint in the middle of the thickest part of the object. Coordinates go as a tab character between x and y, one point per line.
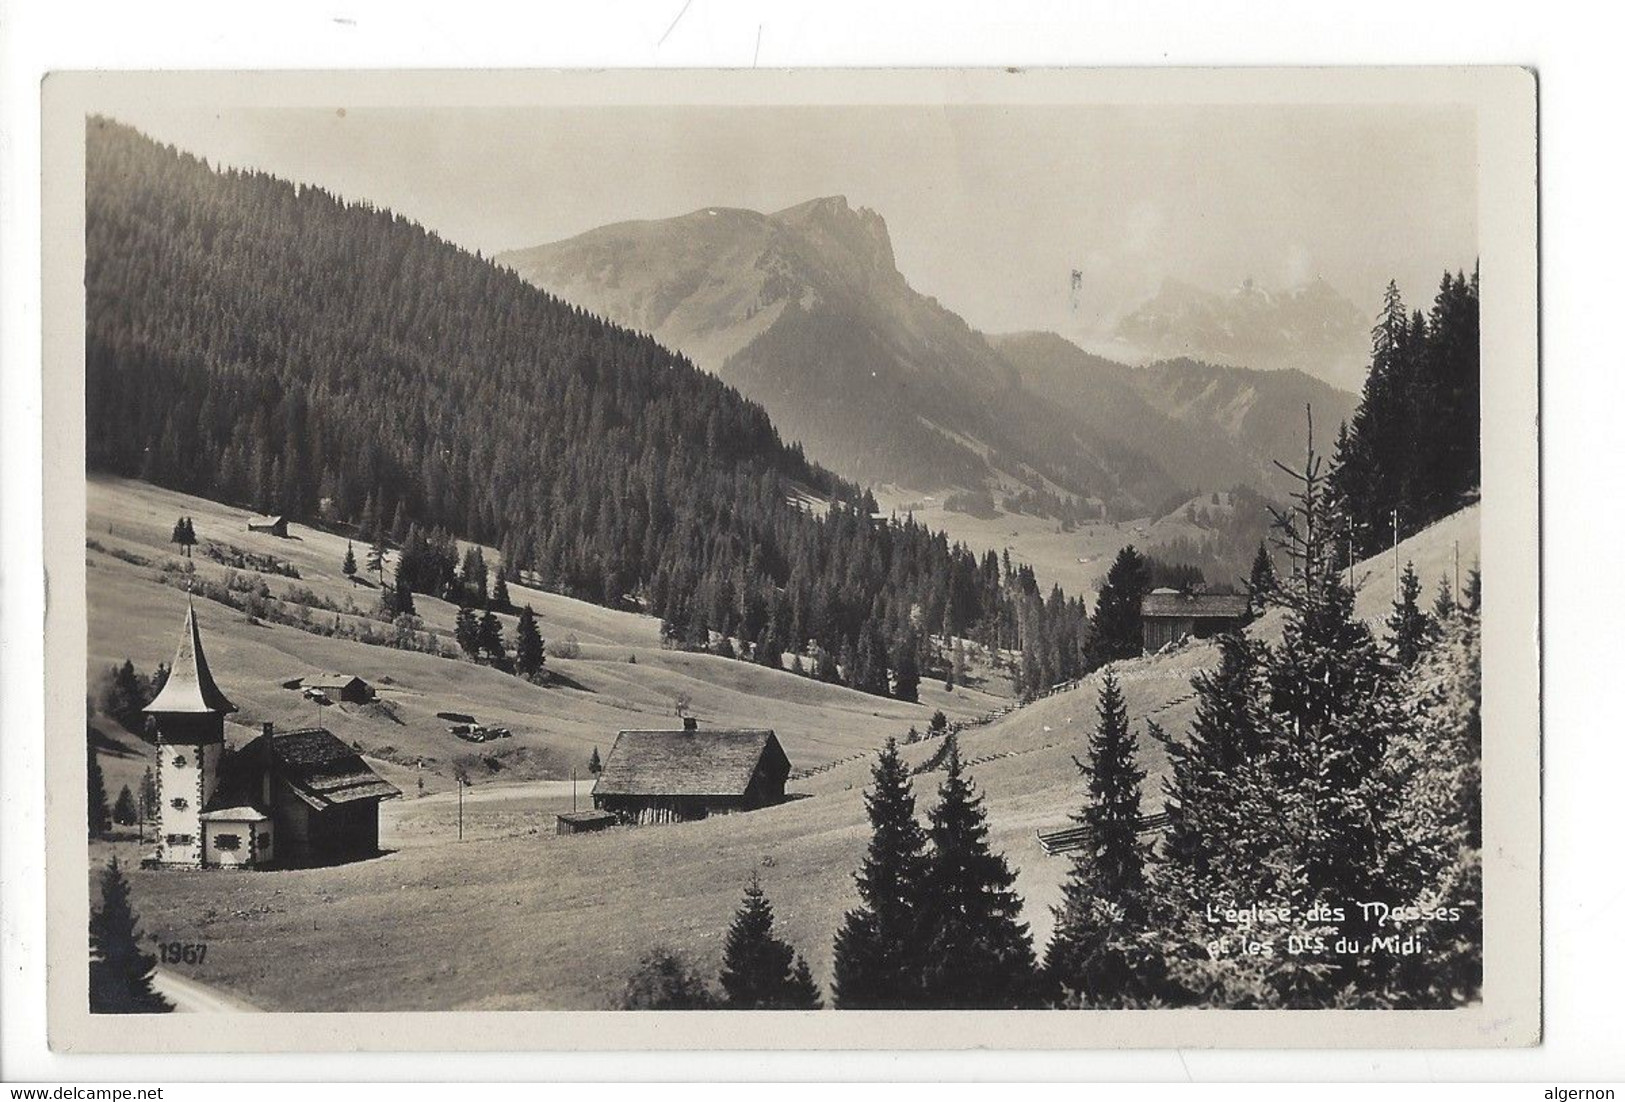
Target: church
286	798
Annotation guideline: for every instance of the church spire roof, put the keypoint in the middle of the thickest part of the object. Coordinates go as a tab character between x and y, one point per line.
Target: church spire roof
191	686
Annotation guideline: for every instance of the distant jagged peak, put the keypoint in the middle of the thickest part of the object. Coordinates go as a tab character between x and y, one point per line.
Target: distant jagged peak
860	232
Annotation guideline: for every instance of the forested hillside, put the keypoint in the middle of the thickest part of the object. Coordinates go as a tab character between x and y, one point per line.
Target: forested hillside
1410	454
806	312
268	344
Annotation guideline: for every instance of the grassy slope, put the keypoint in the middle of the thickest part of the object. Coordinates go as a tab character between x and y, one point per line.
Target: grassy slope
1036	541
555	728
517	917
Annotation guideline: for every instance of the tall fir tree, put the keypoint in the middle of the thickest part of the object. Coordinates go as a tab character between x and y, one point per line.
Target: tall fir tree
488	638
467	631
1101	953
530	652
1261	582
124	810
1410	630
978	953
149	794
877	947
349	561
1444	601
1213	773
375	558
1115	630
120	971
759	969
96	792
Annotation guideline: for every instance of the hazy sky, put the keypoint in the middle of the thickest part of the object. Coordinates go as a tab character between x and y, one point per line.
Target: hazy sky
990	208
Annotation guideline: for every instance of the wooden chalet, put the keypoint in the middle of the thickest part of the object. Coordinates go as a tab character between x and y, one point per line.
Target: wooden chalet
687	774
275	525
1169	616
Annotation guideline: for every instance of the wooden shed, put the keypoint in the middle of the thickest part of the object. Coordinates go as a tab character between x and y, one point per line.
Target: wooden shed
275	525
1168	616
687	774
339	686
585	822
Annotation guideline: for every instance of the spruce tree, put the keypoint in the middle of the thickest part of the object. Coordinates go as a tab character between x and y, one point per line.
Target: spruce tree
978	954
96	793
1444	601
1101	953
1260	583
759	968
489	637
467	631
595	764
149	793
120	972
906	682
1410	630
1116	631
124	812
1117	867
499	593
1437	765
349	561
375	558
1211	822
877	962
826	670
664	980
1335	707
530	652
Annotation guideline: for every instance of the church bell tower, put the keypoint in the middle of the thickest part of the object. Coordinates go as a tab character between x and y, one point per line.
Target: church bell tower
189	716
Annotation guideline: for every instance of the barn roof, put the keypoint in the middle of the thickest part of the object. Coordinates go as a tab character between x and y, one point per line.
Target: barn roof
190	687
711	762
270	518
1173	603
320	767
330	677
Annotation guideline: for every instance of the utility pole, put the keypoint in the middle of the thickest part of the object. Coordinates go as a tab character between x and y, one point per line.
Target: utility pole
1455	554
459	809
572	788
1351	552
1396	556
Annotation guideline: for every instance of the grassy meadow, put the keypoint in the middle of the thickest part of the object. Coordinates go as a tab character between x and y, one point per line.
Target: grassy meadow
514	916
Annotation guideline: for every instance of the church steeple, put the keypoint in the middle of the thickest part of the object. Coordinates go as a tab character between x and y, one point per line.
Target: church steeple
190	689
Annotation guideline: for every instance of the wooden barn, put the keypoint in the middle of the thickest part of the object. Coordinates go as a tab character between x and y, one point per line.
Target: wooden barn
339	686
687	774
1168	616
275	525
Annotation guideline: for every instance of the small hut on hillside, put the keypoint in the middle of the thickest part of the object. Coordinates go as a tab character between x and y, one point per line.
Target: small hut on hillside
339	686
275	525
1169	616
677	776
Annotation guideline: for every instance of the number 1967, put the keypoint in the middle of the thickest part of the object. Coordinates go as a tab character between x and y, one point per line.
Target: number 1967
175	952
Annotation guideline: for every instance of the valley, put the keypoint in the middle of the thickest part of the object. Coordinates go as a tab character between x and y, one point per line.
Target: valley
514	916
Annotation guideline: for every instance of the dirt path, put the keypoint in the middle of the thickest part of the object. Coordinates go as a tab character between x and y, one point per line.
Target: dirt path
523	790
192	997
